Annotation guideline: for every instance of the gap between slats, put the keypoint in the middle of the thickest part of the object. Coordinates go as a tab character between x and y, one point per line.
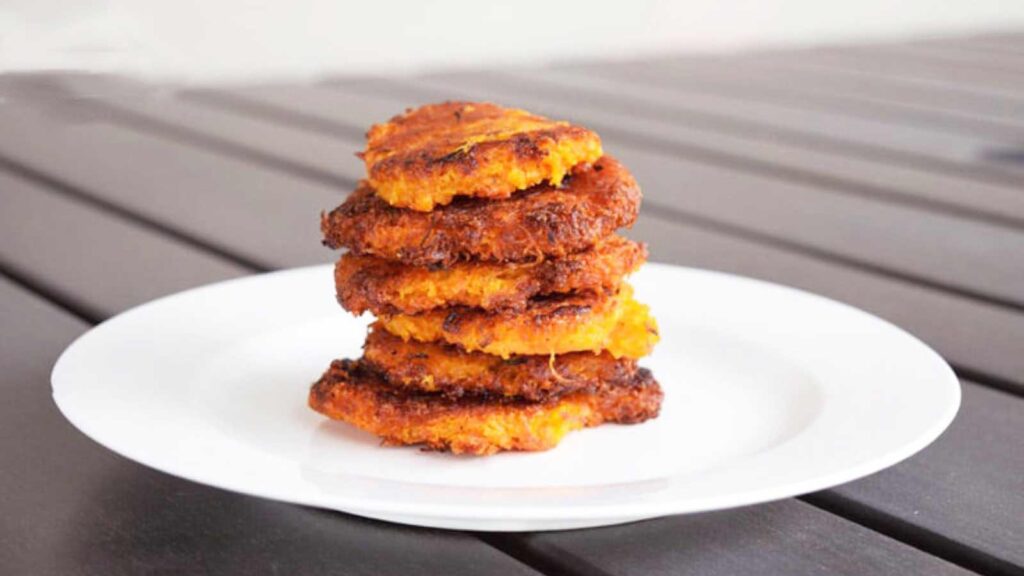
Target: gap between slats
129	118
65	188
915	536
713	82
555	562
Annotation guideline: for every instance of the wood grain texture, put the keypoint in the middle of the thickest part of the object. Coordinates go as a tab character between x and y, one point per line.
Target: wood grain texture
766	80
969	334
879	62
940	62
951	54
167	112
95	261
787	537
237	207
308	106
72	507
965	490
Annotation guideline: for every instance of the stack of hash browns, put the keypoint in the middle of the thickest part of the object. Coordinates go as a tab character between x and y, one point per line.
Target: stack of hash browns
483	240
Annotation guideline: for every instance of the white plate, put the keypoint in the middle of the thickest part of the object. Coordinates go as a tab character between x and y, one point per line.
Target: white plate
769	392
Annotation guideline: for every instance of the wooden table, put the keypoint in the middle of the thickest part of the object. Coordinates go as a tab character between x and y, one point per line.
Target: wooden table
890	177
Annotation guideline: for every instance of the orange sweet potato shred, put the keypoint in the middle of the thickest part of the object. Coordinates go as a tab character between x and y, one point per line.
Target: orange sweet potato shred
368	283
428	156
453	372
614	323
352	393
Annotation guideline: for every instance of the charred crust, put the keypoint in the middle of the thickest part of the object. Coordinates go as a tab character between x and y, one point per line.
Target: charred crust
398	149
426	367
359	374
543	221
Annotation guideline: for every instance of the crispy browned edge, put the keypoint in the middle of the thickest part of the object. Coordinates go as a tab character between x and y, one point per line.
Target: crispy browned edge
351	392
421	366
368	283
543	221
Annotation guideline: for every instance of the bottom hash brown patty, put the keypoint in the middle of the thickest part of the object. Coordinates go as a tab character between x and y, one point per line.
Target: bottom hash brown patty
448	370
615	323
368	283
543	221
351	392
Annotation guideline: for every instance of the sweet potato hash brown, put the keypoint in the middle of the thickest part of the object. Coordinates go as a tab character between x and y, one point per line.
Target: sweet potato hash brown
368	283
453	372
427	156
351	392
544	221
556	325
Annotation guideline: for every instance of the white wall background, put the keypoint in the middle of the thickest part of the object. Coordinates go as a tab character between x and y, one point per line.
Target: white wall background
245	39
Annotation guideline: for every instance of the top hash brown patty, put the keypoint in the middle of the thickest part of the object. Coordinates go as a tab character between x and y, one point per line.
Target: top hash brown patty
427	156
544	221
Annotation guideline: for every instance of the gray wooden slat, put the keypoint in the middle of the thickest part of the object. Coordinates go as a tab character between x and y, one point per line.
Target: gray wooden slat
892	64
746	79
954	43
1006	39
877	177
303	105
960	53
752	541
762	70
968	333
82	254
968	487
914	58
948	53
988	45
160	110
864	137
72	507
236	206
951	251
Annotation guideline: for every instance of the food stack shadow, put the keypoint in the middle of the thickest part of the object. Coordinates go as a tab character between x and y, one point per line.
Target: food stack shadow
483	240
